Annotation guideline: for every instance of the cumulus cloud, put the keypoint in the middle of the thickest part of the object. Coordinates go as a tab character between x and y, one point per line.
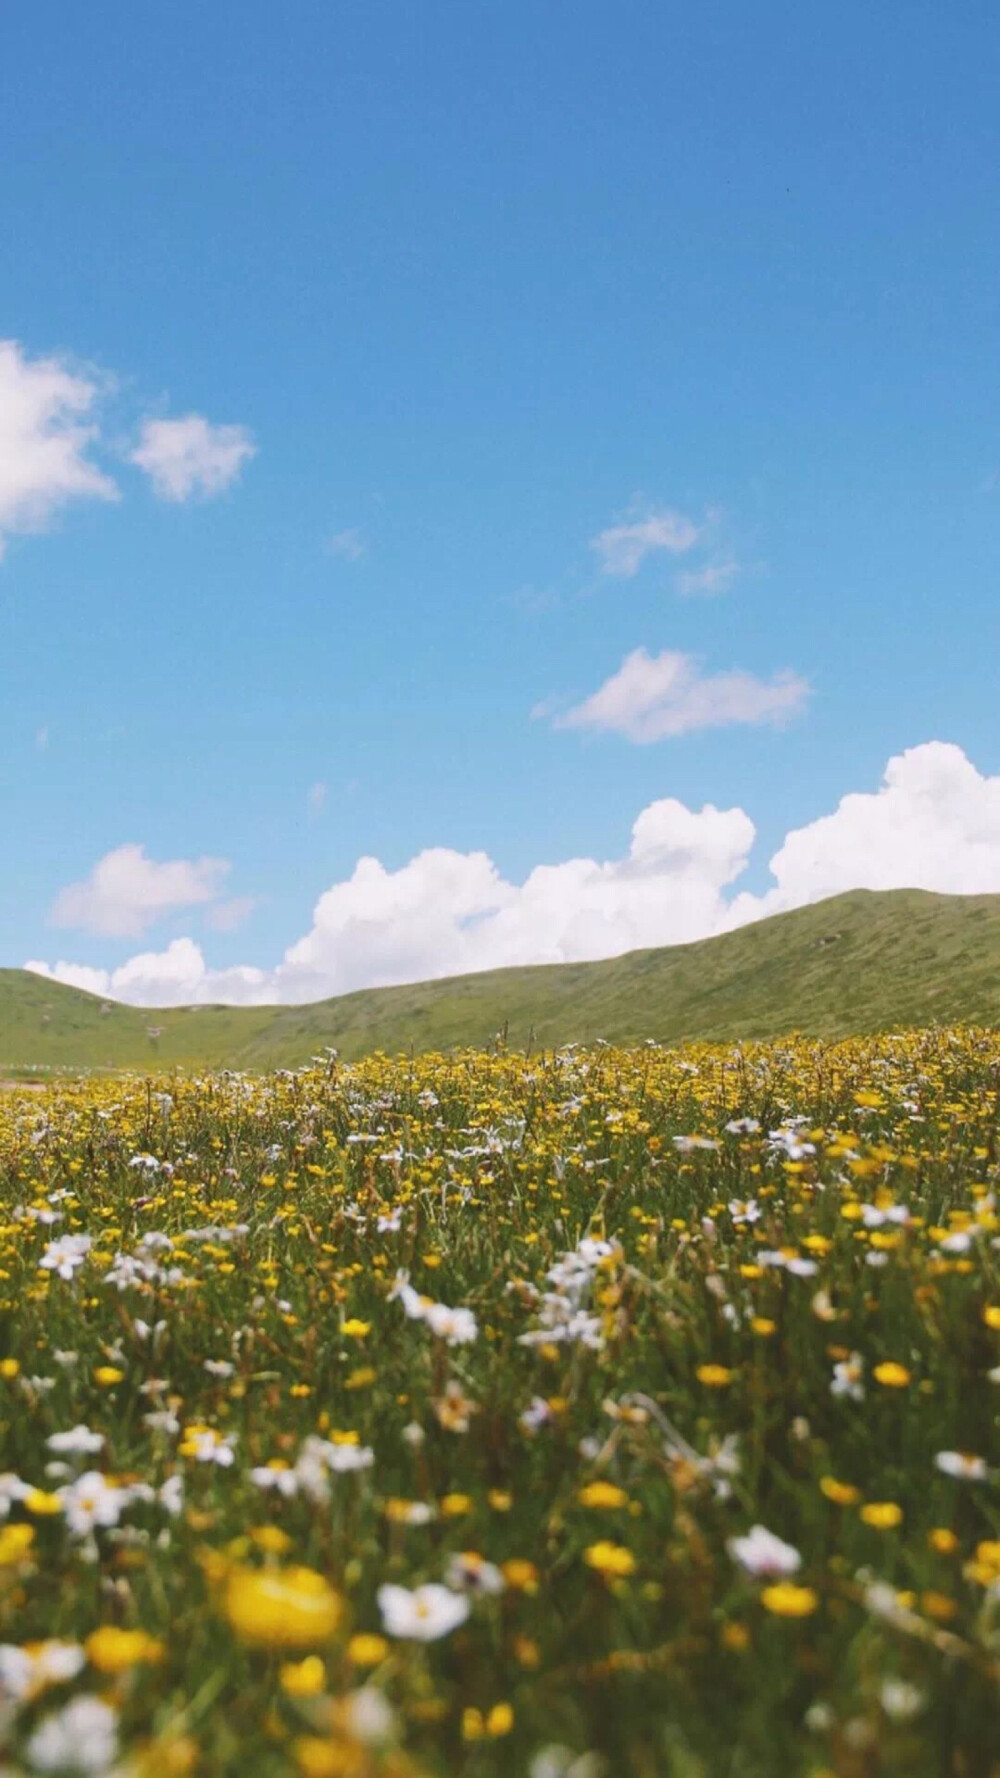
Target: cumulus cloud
448	912
177	976
933	823
622	549
652	697
188	457
47	431
127	892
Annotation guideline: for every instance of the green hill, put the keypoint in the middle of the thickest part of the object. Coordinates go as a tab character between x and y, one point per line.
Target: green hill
858	962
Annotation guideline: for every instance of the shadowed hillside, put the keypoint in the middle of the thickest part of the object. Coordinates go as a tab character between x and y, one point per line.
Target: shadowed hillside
859	962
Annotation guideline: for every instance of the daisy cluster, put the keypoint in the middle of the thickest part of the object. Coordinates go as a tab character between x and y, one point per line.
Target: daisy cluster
599	1411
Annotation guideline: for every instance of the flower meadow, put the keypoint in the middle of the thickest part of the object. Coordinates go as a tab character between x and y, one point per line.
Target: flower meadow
600	1412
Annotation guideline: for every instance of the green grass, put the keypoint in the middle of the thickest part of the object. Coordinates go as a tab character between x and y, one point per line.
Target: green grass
860	962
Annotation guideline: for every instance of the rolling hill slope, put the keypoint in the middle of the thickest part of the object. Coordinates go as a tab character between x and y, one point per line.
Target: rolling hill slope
859	962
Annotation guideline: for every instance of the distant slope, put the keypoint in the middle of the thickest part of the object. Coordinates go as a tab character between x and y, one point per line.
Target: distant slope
858	962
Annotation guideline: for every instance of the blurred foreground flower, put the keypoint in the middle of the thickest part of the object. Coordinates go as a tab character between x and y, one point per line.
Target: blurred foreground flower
290	1607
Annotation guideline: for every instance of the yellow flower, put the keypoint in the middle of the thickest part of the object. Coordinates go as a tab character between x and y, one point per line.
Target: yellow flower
714	1376
763	1326
15	1542
271	1539
303	1679
841	1493
991	1316
891	1375
9	1368
367	1649
112	1650
520	1574
602	1494
408	1512
938	1606
785	1599
455	1506
500	1720
611	1559
884	1515
473	1726
942	1540
355	1329
107	1375
500	1500
362	1378
281	1608
42	1504
526	1652
317	1758
477	1727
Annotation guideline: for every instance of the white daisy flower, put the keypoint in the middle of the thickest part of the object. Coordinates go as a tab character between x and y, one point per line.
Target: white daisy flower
424	1614
760	1553
82	1737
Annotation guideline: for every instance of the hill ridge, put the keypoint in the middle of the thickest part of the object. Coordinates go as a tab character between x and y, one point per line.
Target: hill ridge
861	961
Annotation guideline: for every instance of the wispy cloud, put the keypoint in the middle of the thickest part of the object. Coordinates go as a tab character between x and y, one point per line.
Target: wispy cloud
350	545
227	916
622	548
654	697
713	578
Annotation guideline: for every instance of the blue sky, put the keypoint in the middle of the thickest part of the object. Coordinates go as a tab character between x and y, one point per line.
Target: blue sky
479	286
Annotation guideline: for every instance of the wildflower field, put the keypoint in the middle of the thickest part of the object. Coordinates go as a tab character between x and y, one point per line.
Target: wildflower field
624	1412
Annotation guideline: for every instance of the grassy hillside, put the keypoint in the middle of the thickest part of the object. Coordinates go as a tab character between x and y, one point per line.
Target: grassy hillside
859	962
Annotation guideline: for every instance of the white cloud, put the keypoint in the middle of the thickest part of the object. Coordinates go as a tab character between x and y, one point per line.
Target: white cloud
623	548
714	578
316	797
126	892
934	823
652	697
349	544
447	912
190	456
47	429
175	977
